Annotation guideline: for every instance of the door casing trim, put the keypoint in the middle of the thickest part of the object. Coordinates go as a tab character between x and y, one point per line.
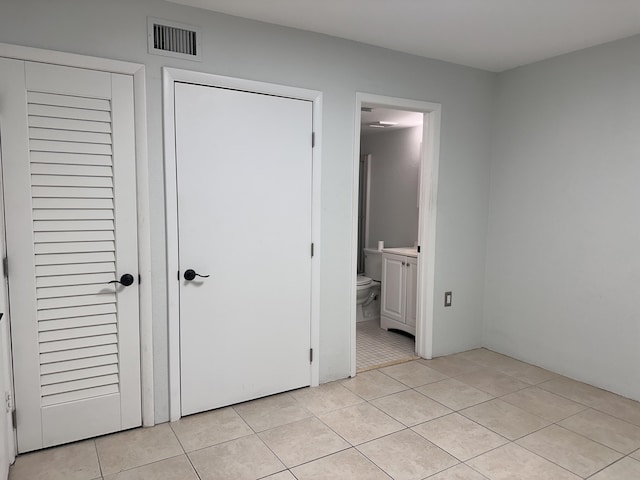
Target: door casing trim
169	77
428	192
136	70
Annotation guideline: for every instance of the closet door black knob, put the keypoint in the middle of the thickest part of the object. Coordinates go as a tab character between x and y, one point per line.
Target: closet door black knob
126	280
190	274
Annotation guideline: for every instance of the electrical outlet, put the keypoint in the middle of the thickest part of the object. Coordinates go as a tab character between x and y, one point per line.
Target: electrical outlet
448	298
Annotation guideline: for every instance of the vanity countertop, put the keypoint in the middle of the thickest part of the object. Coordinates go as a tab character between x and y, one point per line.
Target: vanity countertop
406	251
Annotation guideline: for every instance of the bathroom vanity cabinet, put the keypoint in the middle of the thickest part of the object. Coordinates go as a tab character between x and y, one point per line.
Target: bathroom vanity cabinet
399	278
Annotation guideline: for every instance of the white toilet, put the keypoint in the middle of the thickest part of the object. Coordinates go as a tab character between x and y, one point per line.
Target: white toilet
368	285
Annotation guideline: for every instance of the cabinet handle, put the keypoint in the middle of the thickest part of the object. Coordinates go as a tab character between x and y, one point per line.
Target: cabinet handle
403	264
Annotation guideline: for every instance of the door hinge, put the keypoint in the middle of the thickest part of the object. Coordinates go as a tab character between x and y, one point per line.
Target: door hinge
311	355
5	266
11	408
313	139
418	248
312	249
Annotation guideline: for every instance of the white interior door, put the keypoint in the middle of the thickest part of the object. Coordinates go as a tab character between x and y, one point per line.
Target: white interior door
69	184
244	165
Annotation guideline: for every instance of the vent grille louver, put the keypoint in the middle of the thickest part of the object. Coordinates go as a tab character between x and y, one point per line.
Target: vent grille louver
173	39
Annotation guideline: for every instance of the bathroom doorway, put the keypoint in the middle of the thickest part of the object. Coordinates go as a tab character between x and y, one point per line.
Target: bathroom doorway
394	230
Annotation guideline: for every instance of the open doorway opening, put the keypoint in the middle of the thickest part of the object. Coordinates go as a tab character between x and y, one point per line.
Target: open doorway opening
394	230
388	217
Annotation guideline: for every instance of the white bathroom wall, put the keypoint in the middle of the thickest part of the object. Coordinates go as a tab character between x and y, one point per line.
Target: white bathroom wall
563	267
395	162
339	68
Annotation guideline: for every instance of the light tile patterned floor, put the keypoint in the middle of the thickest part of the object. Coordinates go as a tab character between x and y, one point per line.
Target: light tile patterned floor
476	415
376	347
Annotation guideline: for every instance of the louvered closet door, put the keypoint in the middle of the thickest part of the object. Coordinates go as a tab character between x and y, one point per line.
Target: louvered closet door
69	179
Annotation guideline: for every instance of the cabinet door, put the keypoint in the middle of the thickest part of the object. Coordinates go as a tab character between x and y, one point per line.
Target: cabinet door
393	278
411	276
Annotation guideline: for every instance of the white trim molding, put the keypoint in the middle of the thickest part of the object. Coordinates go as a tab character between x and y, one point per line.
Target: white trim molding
142	191
169	77
427	219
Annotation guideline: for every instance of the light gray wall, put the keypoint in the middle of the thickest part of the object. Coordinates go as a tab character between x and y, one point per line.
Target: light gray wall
252	50
395	162
563	268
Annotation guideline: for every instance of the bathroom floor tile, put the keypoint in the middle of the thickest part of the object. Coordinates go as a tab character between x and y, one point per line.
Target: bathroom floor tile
543	404
302	441
530	374
505	419
134	448
625	469
273	411
406	455
410	407
286	475
326	397
512	462
361	423
348	464
413	374
459	436
452	365
246	458
459	472
557	429
170	469
569	450
373	384
492	382
210	428
483	356
77	461
454	394
607	402
378	347
605	429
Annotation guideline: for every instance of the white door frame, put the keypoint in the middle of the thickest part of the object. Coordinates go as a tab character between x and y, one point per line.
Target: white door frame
169	77
8	450
428	192
142	191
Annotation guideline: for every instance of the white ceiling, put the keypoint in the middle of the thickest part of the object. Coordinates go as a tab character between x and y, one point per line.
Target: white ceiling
493	35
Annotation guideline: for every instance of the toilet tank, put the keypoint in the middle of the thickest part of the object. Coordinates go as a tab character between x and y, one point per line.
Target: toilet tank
373	264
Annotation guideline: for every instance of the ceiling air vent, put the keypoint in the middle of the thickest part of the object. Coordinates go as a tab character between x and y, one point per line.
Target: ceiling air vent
173	39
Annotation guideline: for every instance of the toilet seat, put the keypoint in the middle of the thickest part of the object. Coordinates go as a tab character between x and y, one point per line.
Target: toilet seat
363	281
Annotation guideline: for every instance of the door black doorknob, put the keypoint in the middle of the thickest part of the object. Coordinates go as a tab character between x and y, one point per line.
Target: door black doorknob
190	274
126	280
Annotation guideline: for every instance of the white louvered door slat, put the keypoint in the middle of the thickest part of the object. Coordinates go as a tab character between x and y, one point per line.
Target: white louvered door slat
71	161
72	365
77	354
72	229
69	124
73	375
69	181
75	322
77	332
